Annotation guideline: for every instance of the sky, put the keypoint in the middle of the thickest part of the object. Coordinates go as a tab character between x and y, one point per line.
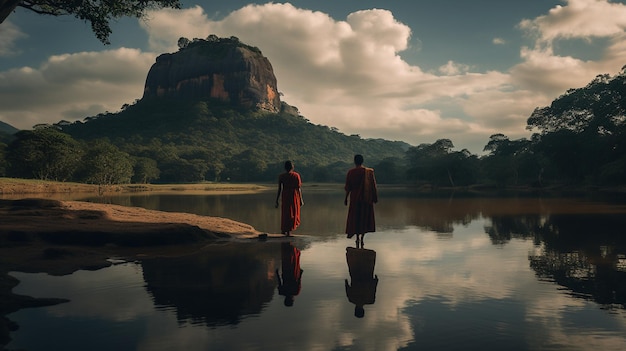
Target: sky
411	70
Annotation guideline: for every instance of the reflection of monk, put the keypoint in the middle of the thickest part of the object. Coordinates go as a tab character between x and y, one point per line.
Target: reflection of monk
362	292
289	285
361	189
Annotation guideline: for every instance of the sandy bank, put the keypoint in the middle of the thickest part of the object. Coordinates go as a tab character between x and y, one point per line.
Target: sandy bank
60	237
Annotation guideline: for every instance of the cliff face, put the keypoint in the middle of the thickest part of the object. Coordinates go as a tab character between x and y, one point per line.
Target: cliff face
223	69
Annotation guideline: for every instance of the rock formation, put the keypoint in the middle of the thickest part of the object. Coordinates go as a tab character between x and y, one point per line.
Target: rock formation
218	68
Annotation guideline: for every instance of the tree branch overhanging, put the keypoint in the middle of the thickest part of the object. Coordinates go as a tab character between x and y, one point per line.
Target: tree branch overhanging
99	13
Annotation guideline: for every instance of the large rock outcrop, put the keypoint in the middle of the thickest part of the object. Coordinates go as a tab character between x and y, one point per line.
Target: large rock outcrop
219	68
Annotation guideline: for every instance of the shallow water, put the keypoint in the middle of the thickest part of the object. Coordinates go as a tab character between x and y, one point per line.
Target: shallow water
452	274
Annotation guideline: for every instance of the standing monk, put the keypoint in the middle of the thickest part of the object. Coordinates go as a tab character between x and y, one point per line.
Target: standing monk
361	188
290	184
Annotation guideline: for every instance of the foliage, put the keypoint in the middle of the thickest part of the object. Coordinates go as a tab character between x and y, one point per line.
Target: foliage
581	141
390	170
3	160
6	137
583	132
510	162
211	140
438	165
7	129
44	153
599	107
145	170
217	47
99	13
104	164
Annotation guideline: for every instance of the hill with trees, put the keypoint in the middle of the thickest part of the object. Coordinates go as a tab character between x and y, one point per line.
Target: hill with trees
194	140
210	112
578	141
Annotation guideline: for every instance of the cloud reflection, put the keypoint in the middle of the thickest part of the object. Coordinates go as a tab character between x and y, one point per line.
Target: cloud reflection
464	290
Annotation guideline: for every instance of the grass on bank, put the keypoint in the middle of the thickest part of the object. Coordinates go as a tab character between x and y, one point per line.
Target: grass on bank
16	186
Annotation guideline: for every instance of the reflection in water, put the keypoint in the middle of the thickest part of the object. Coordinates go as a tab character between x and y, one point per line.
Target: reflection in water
291	282
214	288
460	274
397	209
361	290
585	253
563	227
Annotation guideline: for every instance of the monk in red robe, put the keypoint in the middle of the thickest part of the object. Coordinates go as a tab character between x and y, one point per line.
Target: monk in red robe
290	284
290	185
361	189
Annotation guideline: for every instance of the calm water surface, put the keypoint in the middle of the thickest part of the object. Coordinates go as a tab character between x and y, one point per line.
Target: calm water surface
449	274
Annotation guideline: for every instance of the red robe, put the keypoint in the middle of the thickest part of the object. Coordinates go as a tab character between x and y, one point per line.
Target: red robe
290	196
361	184
291	281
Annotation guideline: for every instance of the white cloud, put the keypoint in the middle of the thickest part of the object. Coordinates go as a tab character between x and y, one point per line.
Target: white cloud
167	25
9	34
349	74
342	73
550	74
452	68
579	19
506	113
72	86
345	73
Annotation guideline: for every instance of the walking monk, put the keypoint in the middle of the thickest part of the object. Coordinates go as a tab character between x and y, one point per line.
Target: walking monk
290	184
361	188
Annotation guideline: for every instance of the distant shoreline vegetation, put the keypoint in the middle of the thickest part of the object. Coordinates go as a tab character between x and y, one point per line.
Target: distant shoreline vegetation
580	142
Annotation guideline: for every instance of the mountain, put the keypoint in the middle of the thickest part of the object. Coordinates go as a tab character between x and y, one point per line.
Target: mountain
7	128
212	111
219	68
6	132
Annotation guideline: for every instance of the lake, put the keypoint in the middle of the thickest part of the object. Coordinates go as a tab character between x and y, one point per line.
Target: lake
452	272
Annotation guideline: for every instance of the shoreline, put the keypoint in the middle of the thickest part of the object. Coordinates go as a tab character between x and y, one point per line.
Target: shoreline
14	188
39	234
45	229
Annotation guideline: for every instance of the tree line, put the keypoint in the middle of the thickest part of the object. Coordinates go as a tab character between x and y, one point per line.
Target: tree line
579	140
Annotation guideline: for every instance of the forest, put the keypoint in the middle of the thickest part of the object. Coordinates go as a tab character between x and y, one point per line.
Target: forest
579	140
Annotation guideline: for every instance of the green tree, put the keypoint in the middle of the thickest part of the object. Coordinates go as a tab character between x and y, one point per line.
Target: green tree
427	162
3	160
105	164
211	131
245	166
390	170
438	165
43	153
145	170
512	162
582	134
599	106
99	13
180	170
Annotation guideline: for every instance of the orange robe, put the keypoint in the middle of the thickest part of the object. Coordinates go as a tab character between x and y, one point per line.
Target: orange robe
361	184
291	281
290	196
